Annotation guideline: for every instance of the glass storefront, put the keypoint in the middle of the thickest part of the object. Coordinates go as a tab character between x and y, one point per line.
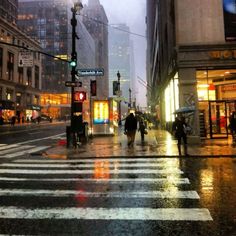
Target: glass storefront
217	100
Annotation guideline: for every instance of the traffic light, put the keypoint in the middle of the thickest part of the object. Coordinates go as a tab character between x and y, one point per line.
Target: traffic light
93	87
80	96
73	61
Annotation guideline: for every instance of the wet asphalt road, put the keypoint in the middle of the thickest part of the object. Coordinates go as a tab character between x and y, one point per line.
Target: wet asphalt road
114	196
123	196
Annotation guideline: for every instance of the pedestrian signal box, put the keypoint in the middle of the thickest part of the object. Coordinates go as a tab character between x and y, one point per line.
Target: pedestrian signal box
80	96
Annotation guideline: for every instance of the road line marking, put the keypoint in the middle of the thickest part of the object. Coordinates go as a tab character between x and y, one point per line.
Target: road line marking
167	214
128	171
146	160
107	165
169	180
3	144
6	146
169	193
36	149
15	149
39	139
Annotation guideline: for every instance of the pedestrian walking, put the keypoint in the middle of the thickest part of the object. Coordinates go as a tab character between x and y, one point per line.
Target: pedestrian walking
130	128
13	120
142	130
179	131
232	124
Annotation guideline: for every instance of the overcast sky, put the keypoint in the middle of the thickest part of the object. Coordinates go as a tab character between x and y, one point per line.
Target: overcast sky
133	13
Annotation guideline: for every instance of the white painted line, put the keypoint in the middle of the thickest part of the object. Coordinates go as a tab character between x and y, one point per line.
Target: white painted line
101	165
171	180
3	144
36	149
169	193
120	160
127	171
15	149
167	214
8	146
39	139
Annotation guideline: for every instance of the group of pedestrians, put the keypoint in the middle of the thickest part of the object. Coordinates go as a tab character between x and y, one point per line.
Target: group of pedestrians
179	131
131	126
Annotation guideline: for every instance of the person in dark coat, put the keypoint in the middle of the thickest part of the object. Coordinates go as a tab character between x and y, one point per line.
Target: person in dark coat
179	131
142	130
130	128
232	124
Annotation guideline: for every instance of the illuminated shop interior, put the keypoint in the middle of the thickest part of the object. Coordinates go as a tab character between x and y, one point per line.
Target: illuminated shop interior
217	100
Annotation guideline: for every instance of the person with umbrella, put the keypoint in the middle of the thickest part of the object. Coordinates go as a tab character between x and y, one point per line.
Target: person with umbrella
179	131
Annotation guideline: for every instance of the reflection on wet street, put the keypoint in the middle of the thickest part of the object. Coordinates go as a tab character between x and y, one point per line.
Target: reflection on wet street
135	194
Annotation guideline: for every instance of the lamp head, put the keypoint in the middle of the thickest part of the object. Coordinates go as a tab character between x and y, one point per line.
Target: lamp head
78	6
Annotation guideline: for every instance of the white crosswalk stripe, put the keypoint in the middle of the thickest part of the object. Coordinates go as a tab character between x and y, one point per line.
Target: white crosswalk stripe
15	150
100	180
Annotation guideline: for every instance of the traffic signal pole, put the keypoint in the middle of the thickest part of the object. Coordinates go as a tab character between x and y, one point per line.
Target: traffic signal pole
74	60
73	63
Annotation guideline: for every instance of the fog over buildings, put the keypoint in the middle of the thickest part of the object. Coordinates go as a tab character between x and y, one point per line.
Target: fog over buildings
132	13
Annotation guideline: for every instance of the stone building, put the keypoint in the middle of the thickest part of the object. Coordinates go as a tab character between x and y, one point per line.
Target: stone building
20	80
191	62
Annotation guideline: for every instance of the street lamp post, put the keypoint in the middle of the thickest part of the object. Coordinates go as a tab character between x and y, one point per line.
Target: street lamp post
75	9
119	103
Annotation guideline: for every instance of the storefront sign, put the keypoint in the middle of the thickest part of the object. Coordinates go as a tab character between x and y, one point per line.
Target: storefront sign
34	107
224	54
230	87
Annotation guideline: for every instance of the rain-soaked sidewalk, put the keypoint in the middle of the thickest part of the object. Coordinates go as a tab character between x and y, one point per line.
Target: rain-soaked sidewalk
157	143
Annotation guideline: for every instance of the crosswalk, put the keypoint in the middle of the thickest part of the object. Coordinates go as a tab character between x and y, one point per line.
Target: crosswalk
15	150
107	189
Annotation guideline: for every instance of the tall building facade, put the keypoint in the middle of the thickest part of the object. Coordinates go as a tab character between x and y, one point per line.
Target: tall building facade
8	10
121	59
50	23
191	63
20	84
95	20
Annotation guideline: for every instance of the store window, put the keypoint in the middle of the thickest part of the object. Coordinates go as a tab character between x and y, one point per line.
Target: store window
10	66
216	84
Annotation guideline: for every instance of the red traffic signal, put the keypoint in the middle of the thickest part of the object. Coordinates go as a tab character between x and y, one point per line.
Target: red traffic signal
80	96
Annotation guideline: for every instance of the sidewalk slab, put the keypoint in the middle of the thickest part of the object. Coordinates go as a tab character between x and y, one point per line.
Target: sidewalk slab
158	143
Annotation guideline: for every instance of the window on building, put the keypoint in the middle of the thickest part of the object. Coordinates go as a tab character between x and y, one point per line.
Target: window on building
20	75
29	76
9	94
36	100
28	98
10	66
18	99
36	76
0	93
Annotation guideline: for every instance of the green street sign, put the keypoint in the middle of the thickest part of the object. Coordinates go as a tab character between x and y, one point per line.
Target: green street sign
90	72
